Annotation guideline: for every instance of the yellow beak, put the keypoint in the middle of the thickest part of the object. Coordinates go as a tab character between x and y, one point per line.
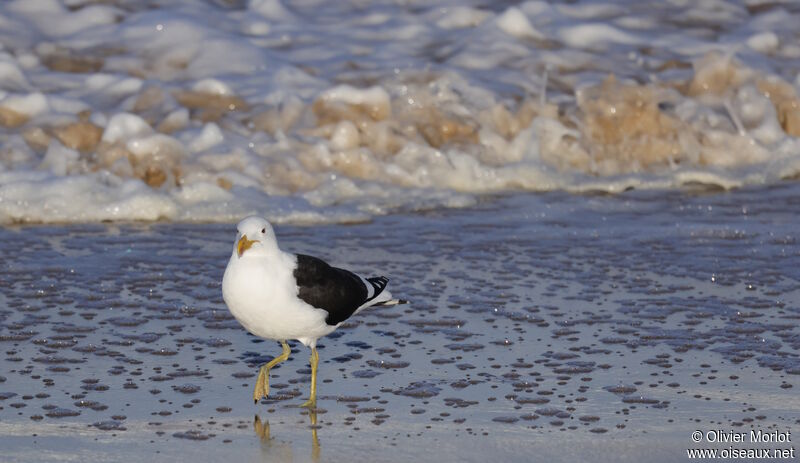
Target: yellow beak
243	245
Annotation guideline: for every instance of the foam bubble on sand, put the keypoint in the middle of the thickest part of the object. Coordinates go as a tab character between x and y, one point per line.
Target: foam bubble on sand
212	87
11	74
210	136
625	131
373	101
43	197
460	17
514	22
60	160
16	110
124	126
595	36
55	20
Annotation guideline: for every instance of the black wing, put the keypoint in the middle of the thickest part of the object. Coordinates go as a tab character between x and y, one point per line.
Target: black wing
334	290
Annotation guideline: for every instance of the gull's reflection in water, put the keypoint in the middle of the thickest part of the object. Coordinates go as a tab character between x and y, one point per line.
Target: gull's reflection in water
279	450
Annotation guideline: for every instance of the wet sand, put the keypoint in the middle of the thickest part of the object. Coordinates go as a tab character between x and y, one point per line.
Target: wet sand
552	326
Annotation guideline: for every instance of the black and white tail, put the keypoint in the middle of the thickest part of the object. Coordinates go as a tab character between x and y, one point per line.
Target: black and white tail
391	302
378	296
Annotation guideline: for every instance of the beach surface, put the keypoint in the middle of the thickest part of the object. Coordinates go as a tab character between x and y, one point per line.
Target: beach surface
553	327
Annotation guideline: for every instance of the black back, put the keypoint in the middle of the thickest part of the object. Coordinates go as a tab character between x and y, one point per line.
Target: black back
337	291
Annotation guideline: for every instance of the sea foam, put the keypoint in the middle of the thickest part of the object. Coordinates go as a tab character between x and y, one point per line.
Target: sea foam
204	112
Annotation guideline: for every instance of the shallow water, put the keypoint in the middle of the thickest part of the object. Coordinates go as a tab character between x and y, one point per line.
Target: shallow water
552	326
318	112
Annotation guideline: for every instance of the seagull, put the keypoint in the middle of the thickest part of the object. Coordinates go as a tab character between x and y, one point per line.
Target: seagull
280	296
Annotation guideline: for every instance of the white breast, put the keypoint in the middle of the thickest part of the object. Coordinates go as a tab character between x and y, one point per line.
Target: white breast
261	293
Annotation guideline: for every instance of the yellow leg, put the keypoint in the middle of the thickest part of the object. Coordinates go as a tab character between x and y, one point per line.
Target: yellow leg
312	401
262	382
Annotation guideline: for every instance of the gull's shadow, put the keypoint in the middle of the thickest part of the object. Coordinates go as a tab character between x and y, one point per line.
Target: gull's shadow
277	450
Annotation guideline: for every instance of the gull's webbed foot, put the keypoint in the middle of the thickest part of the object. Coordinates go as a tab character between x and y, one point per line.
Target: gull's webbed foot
262	384
310	403
262	381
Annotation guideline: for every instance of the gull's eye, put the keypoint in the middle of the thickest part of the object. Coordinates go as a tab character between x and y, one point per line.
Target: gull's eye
263	230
